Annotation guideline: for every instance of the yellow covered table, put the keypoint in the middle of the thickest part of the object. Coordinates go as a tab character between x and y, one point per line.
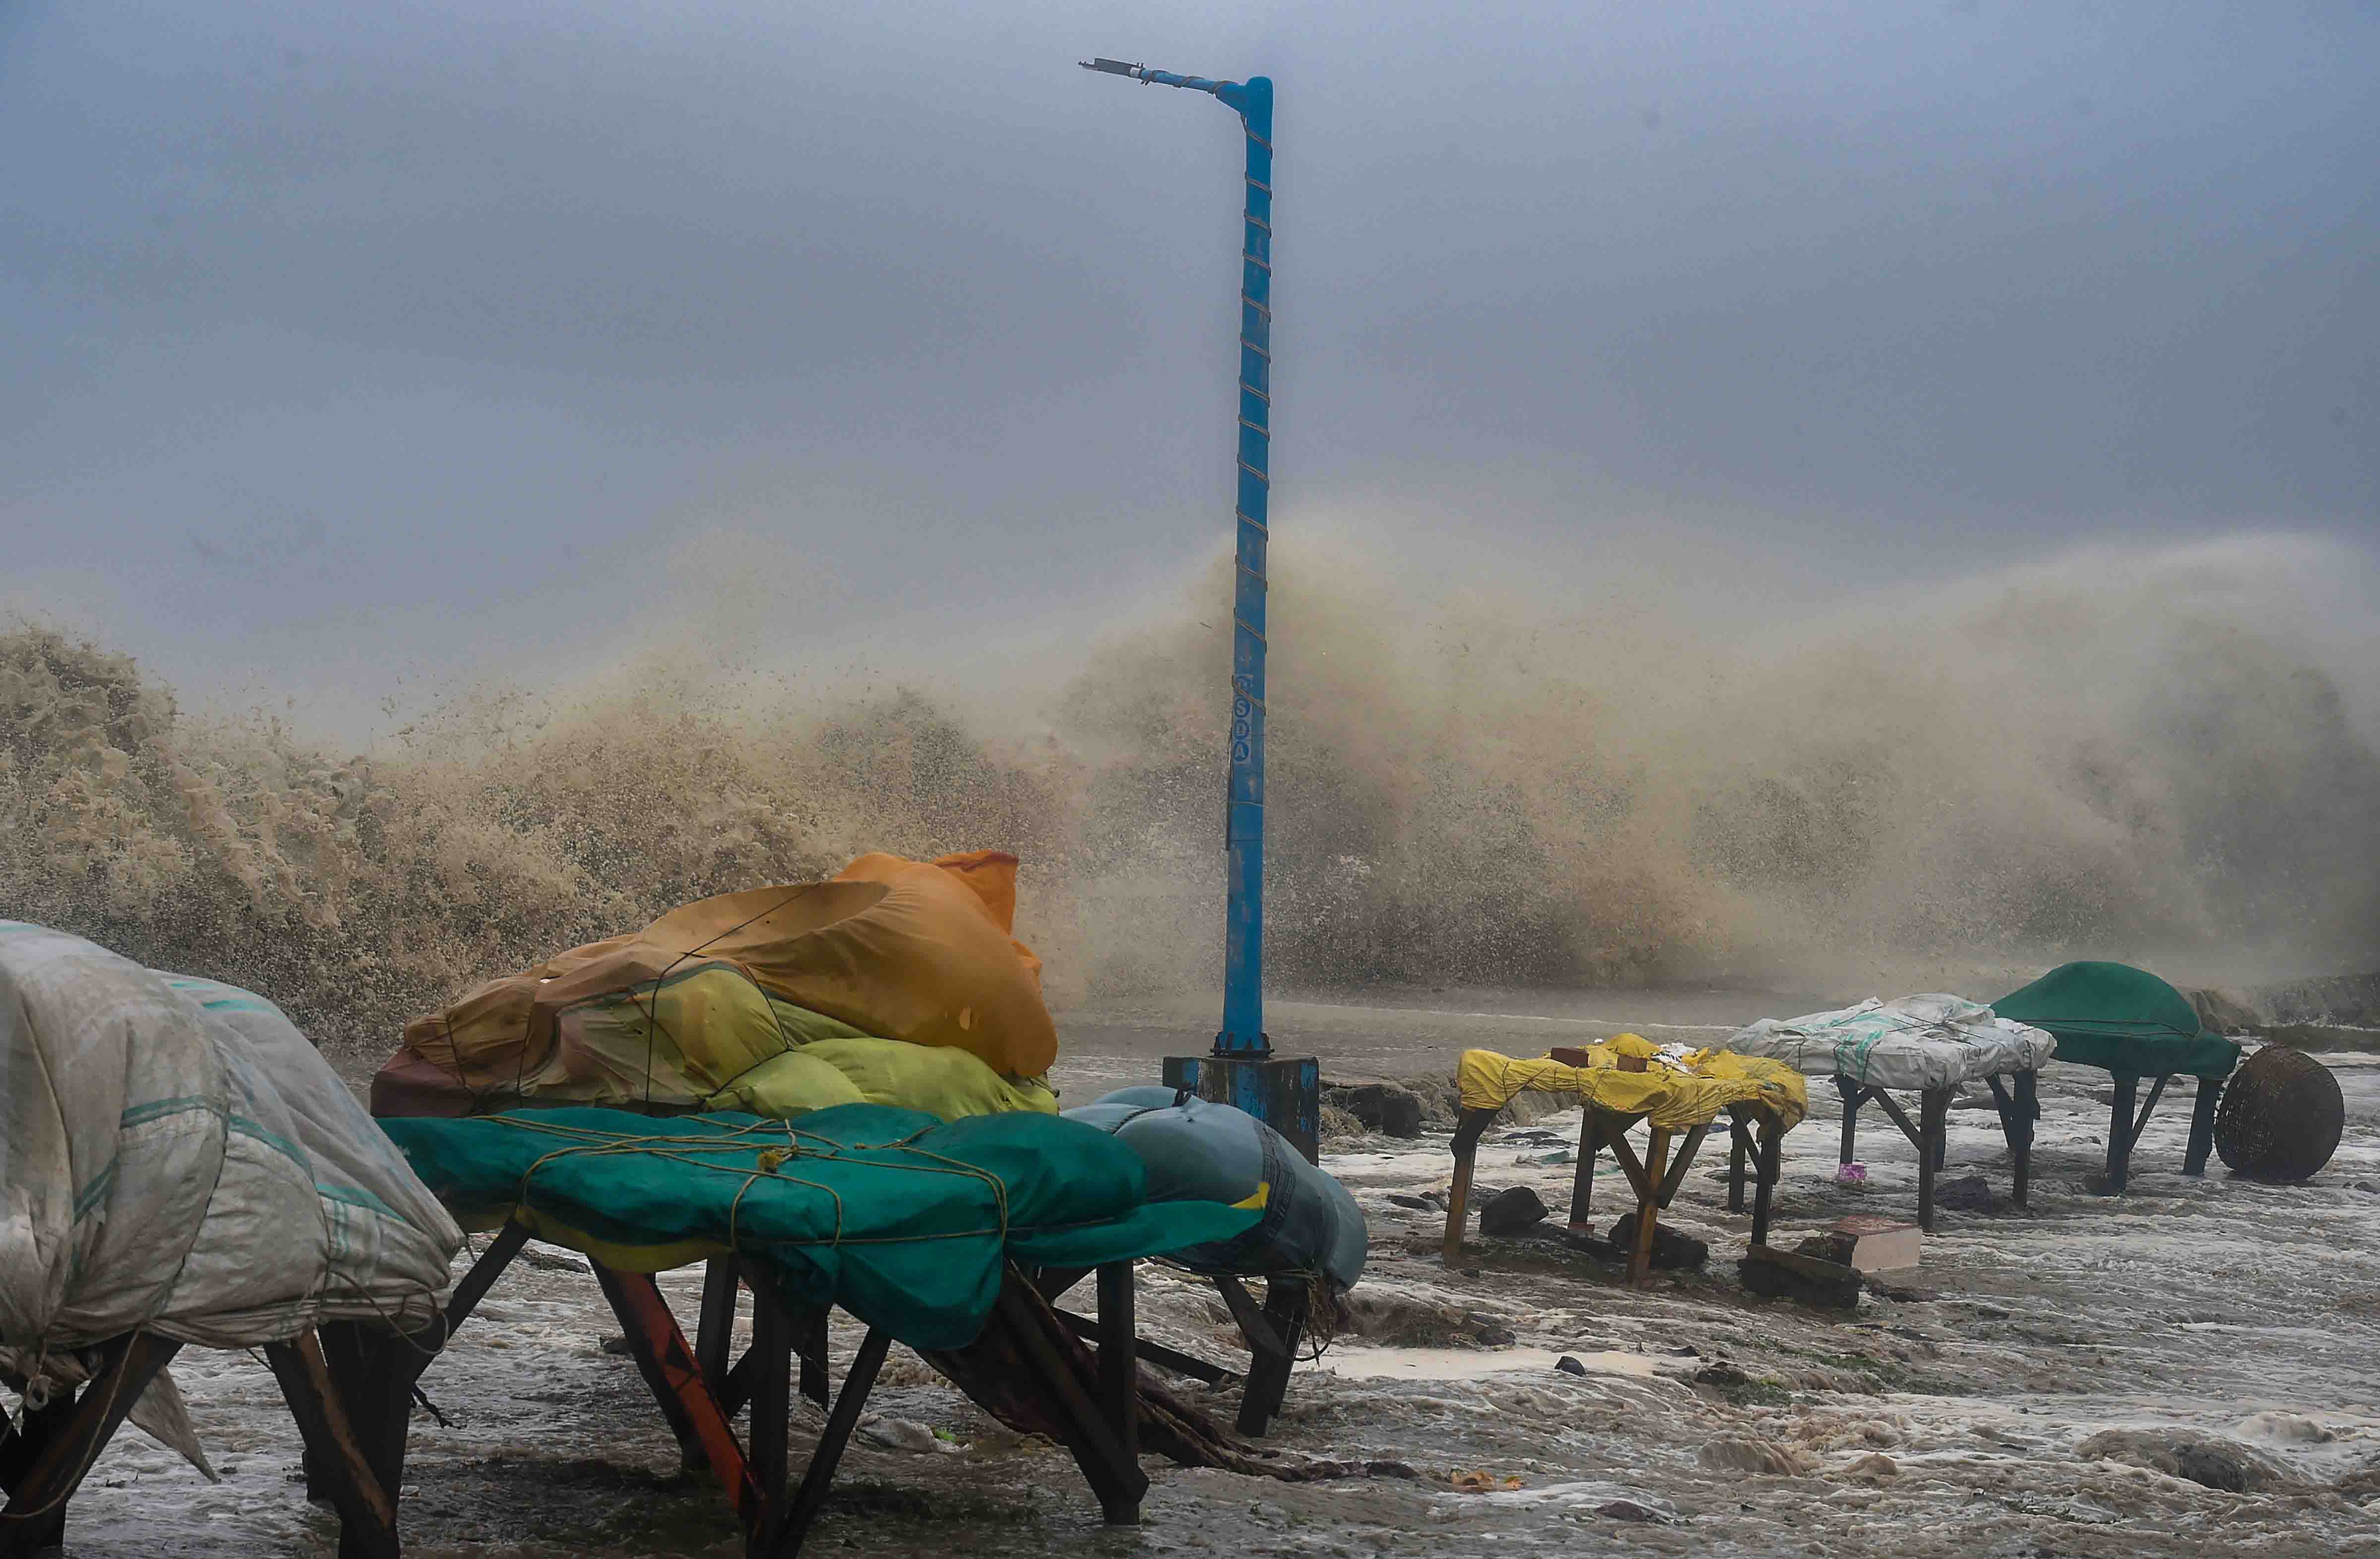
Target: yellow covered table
1618	1084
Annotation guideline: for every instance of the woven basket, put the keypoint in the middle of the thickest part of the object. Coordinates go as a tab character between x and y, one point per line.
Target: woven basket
2281	1116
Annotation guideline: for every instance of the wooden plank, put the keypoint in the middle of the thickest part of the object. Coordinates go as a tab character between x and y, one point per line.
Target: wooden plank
1899	1117
2148	1105
1678	1166
1255	1326
1067	1378
785	1539
1285	1305
1624	1153
735	1393
2006	1107
367	1510
1154	1353
56	1469
483	1274
1054	1283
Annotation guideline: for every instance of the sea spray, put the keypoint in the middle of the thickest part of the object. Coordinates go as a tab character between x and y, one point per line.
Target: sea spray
1933	788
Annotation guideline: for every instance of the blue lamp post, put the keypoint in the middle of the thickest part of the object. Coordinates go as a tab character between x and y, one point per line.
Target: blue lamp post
1243	1070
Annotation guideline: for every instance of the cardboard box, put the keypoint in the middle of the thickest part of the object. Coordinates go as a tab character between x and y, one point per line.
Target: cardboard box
1869	1243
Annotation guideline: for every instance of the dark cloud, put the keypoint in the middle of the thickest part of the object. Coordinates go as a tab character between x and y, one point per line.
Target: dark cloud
516	298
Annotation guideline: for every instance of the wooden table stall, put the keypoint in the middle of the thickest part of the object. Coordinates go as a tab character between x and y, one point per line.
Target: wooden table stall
924	1231
1679	1099
2131	1025
700	1388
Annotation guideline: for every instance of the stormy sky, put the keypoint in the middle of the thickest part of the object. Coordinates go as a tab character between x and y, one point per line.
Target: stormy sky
351	348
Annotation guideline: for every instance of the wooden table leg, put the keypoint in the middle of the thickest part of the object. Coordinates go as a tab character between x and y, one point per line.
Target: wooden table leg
379	1402
2018	1112
714	1328
1854	1095
1657	1153
1119	1351
367	1510
1468	1129
483	1274
2119	1133
1683	1162
1771	1157
773	1405
2202	1125
1933	1114
1739	1149
55	1470
1069	1378
2028	1110
1582	1180
667	1364
819	1476
1268	1370
18	1454
810	1340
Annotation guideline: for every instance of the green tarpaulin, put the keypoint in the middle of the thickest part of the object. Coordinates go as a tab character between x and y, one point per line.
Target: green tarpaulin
900	1219
2123	1019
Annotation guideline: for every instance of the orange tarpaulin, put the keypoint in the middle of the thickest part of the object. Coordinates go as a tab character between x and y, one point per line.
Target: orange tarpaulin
898	949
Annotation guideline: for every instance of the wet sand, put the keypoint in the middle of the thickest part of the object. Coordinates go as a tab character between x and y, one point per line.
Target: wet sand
1943	1425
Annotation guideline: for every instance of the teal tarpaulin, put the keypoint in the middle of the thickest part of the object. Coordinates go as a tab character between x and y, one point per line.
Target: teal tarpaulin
902	1220
2123	1019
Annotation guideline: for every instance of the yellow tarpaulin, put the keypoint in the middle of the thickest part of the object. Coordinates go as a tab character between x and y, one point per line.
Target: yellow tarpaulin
1674	1093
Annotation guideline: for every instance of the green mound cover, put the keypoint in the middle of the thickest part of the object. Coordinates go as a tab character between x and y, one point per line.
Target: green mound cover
900	1219
2121	1018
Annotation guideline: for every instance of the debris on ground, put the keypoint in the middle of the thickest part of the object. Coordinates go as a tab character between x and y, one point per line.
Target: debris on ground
1671	1250
1785	1275
1968	1193
1482	1482
1866	1243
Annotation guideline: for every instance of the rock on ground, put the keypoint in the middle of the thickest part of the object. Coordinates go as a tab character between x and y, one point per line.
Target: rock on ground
1390	1109
1509	1213
2209	1459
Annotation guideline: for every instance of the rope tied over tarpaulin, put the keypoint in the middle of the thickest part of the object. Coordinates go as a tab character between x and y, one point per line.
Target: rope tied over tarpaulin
696	1150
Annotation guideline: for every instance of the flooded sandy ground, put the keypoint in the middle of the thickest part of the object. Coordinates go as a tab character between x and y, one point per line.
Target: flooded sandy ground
1706	1423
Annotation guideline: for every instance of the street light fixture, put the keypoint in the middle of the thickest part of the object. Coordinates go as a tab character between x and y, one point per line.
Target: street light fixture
1241	1069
